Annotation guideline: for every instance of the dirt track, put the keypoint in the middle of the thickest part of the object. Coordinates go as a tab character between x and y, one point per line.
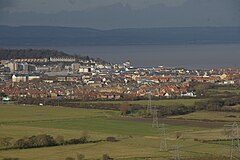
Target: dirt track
180	122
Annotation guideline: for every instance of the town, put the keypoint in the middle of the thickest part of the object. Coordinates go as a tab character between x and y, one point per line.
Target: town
52	100
74	78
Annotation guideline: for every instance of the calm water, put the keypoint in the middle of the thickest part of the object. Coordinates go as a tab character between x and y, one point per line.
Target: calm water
191	56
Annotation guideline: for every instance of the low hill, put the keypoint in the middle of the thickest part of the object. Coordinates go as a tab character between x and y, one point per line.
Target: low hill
6	54
69	36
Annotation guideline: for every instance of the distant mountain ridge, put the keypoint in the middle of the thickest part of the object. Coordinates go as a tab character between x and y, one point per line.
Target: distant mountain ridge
72	36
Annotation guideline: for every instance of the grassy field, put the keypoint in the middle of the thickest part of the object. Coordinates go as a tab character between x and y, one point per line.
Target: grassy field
163	102
210	116
137	139
222	91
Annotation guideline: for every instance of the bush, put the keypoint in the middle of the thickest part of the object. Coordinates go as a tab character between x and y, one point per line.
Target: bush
6	141
81	140
111	139
80	157
125	108
106	157
69	158
35	141
60	140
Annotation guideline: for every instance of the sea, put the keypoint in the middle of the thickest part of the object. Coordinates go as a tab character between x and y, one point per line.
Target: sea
207	56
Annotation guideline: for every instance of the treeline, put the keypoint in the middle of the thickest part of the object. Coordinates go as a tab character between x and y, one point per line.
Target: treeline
74	104
43	140
218	104
210	104
82	157
6	54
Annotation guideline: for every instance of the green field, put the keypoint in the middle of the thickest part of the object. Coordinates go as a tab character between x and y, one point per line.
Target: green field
137	139
210	116
163	102
222	91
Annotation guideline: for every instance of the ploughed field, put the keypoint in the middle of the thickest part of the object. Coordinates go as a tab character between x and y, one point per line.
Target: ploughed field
137	139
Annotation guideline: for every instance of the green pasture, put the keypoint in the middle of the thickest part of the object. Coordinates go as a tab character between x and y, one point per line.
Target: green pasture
210	116
163	102
137	139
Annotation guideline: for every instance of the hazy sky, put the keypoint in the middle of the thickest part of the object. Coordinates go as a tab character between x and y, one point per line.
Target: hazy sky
108	14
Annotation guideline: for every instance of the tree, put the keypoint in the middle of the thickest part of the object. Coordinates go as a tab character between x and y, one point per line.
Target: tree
125	108
35	141
60	140
2	94
6	141
45	140
200	89
111	139
22	144
215	104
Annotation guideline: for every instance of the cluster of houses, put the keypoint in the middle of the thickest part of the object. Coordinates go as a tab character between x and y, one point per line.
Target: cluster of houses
90	80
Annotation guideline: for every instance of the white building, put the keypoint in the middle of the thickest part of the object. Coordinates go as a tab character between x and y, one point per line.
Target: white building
86	69
23	77
13	66
19	78
62	59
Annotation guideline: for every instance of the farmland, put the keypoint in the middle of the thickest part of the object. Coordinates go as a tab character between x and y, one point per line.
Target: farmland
163	102
211	116
137	138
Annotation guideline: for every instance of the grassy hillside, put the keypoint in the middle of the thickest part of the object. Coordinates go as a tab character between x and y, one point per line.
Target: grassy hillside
137	138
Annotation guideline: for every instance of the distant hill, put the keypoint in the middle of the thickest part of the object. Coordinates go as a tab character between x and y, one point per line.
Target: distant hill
67	36
7	54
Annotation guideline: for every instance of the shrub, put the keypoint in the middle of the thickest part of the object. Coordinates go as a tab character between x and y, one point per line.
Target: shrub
60	140
35	141
106	157
6	141
45	140
80	157
125	108
81	140
111	139
22	144
69	158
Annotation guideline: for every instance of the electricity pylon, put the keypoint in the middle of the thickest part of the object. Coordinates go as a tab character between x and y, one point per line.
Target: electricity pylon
232	132
163	140
149	107
155	123
176	152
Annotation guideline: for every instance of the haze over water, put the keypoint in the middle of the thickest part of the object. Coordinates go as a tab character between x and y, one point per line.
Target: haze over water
190	56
